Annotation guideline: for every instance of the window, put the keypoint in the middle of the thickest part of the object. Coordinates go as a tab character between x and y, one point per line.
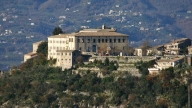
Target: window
74	54
94	40
98	40
70	39
119	40
80	48
102	40
69	53
114	40
110	40
123	40
106	40
88	40
88	49
78	40
65	53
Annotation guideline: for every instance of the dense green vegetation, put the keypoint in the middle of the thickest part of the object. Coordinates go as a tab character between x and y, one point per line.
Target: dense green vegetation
57	30
43	48
37	84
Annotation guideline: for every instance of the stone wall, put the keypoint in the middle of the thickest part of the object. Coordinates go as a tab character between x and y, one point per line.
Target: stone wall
124	59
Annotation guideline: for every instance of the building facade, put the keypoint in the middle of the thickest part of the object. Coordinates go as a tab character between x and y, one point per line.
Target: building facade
102	41
157	50
190	50
66	59
165	63
89	41
142	50
60	42
177	47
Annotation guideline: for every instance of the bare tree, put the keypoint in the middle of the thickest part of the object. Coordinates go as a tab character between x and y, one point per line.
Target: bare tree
80	59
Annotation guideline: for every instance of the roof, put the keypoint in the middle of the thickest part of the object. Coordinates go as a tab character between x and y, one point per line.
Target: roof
62	35
179	40
100	34
103	28
171	59
143	46
92	32
156	47
32	54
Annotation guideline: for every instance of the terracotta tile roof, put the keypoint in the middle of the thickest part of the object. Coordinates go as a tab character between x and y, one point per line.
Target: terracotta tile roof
32	54
142	46
156	47
91	32
100	34
179	40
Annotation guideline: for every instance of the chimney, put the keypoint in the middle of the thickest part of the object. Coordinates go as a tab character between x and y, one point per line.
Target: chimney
103	26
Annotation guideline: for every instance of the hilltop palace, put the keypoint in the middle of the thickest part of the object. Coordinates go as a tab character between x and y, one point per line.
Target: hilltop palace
67	47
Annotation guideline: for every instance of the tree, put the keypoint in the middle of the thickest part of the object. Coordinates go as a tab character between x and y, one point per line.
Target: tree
106	61
43	48
80	59
57	31
145	45
129	50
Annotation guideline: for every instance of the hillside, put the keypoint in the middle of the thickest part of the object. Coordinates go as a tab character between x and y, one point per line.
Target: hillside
35	84
25	21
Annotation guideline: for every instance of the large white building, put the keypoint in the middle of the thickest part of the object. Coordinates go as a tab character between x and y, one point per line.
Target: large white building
87	41
90	41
